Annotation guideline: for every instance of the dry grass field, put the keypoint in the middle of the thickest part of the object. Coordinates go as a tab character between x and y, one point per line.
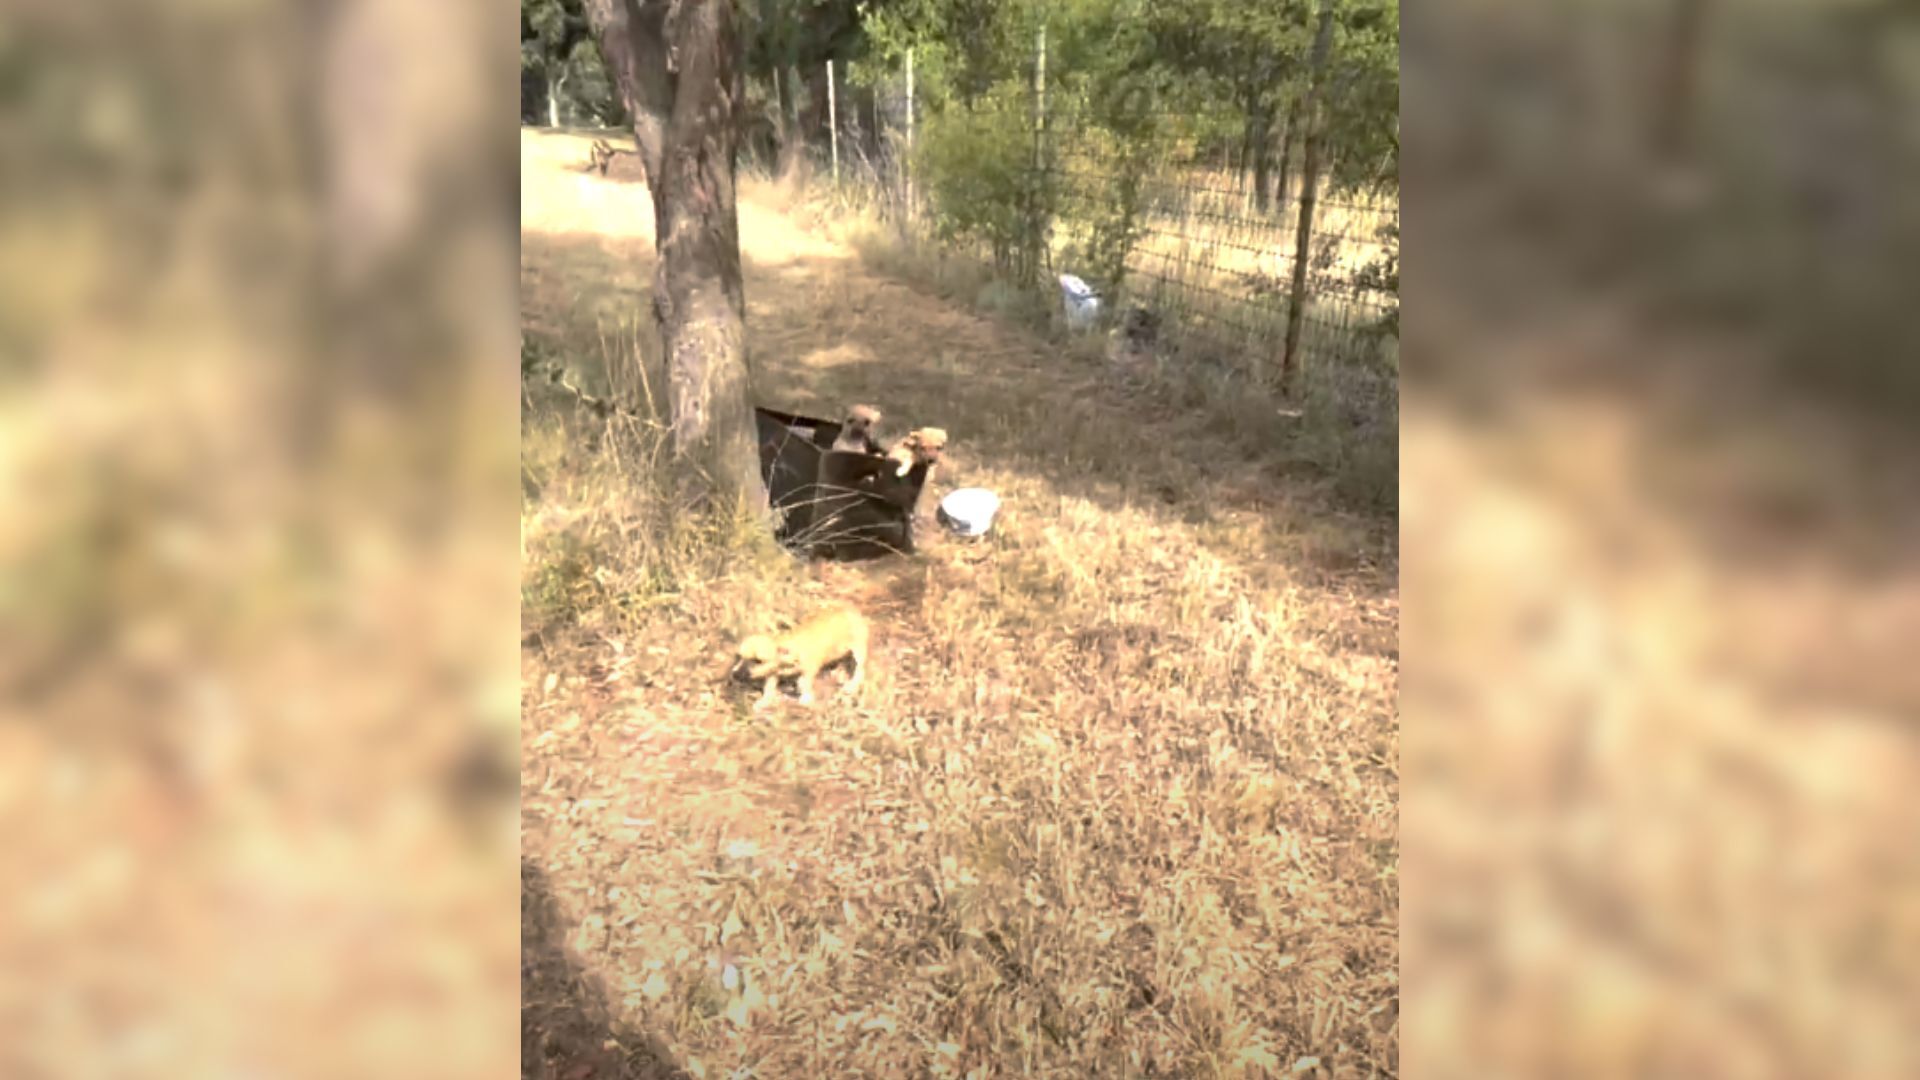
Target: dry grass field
1118	799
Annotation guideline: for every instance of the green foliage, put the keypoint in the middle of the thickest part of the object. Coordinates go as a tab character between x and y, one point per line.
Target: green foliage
1363	99
560	65
1111	216
799	33
977	166
962	48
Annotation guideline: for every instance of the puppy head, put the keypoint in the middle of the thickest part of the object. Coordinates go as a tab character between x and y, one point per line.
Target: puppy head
863	416
930	441
758	657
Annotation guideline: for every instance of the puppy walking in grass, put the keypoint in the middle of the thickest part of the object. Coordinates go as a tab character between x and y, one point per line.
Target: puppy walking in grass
803	652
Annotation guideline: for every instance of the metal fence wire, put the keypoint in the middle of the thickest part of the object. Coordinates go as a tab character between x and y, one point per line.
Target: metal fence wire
1175	210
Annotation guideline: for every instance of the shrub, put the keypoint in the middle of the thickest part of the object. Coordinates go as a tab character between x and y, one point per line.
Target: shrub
979	176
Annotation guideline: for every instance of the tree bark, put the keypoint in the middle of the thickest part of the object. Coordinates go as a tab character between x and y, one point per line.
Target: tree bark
683	86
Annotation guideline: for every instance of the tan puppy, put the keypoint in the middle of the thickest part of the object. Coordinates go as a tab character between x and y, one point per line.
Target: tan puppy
857	434
830	636
921	444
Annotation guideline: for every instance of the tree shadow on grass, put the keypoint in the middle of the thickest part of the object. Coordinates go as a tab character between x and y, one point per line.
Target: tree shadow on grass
568	1029
823	334
1019	403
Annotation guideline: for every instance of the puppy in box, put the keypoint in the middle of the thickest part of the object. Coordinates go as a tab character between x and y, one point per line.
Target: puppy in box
920	445
829	637
857	434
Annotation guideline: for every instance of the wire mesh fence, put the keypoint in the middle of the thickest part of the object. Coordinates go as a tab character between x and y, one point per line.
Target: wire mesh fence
1186	213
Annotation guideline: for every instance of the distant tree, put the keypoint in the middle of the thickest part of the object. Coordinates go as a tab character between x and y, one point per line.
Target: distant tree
1361	101
677	69
962	48
787	45
1313	140
562	79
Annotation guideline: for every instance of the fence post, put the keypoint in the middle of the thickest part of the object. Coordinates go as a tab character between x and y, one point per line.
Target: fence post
833	125
908	170
1309	181
1036	238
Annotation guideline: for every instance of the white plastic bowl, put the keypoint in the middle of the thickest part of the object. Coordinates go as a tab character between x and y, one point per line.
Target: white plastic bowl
969	511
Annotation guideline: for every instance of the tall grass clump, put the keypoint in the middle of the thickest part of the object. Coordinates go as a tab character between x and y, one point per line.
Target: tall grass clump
1349	428
610	530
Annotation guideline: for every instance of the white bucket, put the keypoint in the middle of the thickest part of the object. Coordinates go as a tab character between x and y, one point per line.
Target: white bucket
1081	301
969	511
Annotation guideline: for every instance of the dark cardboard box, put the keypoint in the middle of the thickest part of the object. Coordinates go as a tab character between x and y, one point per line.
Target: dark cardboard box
831	502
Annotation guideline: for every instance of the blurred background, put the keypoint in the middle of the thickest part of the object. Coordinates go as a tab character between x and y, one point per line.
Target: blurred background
257	645
258	615
1658	505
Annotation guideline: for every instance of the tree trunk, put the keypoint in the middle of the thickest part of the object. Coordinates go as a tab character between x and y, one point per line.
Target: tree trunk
1243	170
1036	247
1675	108
1285	172
1259	135
699	297
789	118
1309	180
633	44
554	86
684	89
1259	156
797	88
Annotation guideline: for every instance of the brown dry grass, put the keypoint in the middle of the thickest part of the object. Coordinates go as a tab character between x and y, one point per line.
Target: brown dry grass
1674	836
1119	798
252	586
